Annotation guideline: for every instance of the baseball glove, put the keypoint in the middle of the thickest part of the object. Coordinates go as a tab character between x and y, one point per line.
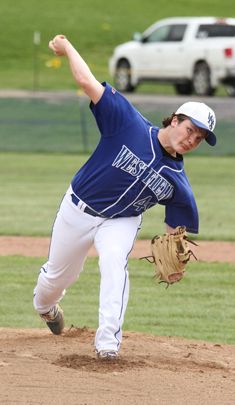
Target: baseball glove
170	254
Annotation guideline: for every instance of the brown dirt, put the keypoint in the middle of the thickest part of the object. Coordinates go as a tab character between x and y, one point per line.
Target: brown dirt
27	246
39	368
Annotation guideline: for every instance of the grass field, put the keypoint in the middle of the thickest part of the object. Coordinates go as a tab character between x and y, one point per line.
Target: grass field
200	307
95	26
33	185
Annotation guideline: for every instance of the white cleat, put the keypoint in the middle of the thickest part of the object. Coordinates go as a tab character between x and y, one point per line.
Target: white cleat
107	355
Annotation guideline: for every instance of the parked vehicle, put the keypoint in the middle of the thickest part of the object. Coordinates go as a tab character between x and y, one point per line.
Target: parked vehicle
195	54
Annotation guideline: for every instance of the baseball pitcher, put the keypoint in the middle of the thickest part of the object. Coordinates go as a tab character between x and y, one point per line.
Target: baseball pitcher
135	166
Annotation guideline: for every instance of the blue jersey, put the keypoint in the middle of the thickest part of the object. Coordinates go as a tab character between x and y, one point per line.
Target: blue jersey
129	171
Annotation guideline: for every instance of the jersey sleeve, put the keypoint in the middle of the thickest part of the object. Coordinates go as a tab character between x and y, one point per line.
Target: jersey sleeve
183	213
113	112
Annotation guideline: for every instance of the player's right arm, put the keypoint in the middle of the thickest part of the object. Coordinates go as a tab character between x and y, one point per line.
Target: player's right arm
80	70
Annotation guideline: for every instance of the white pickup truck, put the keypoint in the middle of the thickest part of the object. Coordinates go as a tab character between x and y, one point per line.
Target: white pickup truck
195	54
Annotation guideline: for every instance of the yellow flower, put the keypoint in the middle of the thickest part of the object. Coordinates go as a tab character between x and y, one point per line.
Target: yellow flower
54	63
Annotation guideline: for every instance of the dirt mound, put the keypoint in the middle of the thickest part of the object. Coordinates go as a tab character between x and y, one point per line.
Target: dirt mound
37	367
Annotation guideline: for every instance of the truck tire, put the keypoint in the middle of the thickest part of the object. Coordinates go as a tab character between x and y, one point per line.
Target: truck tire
184	88
122	77
202	80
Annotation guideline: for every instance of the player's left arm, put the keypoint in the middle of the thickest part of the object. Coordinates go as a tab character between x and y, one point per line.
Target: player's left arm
79	68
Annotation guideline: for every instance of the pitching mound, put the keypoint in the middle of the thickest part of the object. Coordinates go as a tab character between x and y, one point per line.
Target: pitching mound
37	367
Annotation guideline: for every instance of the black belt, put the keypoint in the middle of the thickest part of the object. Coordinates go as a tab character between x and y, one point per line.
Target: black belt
87	209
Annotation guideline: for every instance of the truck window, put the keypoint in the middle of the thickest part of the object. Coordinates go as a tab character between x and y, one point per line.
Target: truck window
167	33
176	32
215	30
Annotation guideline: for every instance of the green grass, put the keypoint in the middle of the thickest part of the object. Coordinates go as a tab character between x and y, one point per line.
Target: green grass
202	306
94	26
32	185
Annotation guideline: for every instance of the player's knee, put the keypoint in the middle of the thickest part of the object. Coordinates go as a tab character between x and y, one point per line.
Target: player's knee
113	255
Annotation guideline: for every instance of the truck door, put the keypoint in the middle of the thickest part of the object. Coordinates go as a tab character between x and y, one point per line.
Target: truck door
162	52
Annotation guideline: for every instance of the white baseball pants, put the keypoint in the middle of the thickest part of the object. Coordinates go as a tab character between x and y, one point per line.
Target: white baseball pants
74	232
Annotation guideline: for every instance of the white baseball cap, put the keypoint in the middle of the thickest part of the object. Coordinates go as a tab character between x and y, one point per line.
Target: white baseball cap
202	116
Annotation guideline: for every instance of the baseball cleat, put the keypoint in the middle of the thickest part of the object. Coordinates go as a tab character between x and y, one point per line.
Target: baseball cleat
54	319
107	355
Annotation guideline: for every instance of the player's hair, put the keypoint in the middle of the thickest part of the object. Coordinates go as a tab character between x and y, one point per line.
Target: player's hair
167	121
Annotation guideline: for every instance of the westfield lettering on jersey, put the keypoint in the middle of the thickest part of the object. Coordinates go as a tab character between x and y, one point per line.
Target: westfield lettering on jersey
127	161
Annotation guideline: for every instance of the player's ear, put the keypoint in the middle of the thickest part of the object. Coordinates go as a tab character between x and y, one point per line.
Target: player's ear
174	121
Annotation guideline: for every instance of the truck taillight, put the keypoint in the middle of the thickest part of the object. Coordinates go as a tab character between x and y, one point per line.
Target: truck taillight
228	52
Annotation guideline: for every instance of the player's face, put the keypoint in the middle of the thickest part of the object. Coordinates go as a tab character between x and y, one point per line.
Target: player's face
186	136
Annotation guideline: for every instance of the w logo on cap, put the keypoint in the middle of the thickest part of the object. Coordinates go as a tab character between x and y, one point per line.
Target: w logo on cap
211	121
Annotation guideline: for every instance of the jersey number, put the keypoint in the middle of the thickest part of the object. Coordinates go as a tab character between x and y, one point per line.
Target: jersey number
144	204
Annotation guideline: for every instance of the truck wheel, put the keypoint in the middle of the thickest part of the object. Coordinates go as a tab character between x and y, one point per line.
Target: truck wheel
123	77
202	80
184	88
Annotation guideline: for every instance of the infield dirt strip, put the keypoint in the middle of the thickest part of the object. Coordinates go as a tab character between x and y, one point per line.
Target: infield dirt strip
28	246
39	368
